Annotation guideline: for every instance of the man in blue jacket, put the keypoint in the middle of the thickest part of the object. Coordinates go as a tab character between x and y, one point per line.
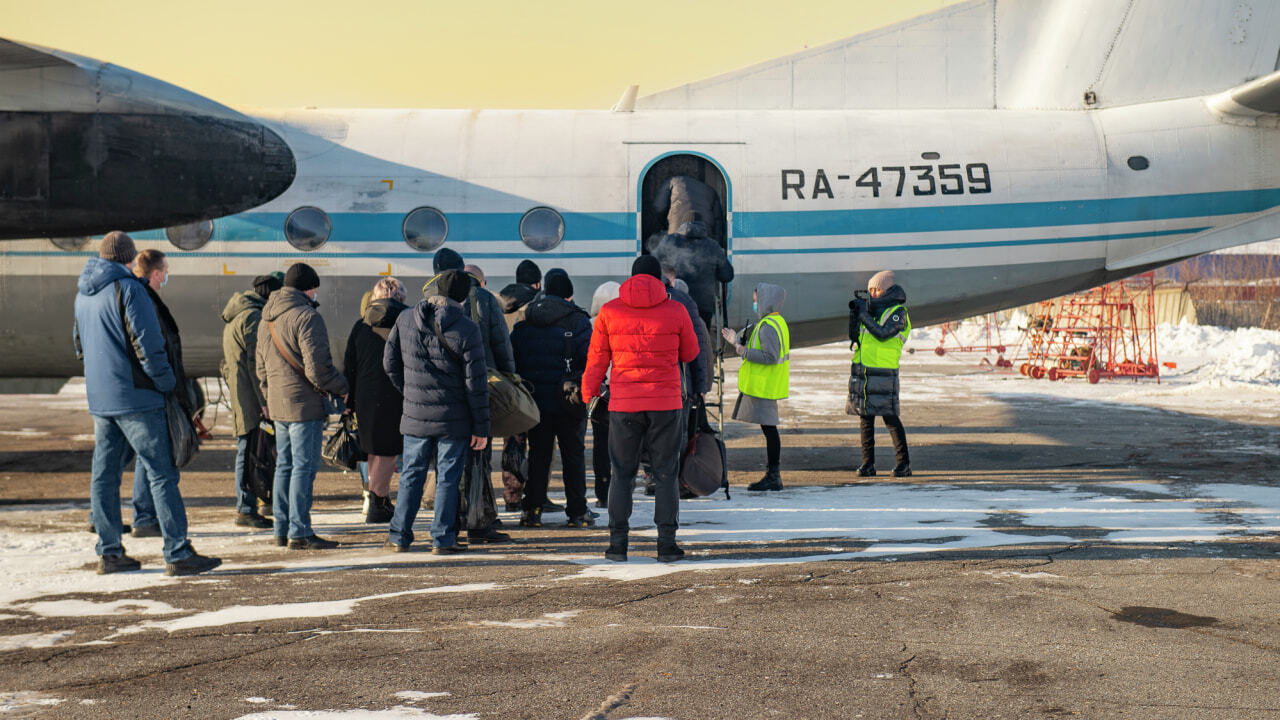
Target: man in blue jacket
435	357
127	375
551	345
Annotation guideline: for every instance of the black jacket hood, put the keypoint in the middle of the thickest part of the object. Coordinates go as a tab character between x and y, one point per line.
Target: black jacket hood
515	296
548	310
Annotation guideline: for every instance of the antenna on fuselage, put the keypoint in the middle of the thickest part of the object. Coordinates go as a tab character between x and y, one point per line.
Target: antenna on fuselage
627	103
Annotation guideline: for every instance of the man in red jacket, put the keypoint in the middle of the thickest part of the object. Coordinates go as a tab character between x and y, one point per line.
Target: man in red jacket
644	336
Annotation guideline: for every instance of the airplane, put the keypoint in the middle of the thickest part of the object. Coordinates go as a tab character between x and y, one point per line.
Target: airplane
991	153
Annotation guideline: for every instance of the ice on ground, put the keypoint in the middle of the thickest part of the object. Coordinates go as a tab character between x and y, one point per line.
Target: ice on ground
281	611
400	712
415	695
25	700
258	700
555	619
33	640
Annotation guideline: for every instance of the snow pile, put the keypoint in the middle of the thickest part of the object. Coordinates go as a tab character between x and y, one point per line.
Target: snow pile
1213	354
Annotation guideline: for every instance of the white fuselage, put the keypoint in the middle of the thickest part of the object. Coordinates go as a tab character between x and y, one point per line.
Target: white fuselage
991	208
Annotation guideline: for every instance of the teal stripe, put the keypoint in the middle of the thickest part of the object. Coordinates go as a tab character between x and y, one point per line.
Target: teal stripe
966	245
995	216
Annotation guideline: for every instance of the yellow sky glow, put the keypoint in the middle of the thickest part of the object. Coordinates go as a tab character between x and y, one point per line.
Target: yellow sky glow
425	53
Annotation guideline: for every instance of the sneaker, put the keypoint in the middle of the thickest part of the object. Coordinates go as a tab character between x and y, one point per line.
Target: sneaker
488	535
315	542
391	546
108	564
902	470
616	552
550	507
453	549
253	520
380	510
670	553
867	470
531	518
146	531
193	564
582	521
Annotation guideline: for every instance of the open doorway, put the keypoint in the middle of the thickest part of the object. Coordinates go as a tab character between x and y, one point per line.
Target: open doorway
653	222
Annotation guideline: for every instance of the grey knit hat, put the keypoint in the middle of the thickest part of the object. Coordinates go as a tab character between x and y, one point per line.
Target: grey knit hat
117	247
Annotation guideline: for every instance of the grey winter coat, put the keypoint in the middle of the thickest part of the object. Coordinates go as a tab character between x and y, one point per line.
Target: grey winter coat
239	346
761	411
485	310
873	392
291	397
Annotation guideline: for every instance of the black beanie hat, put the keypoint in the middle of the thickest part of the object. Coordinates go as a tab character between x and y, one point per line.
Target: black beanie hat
527	272
557	283
264	285
646	265
454	284
446	259
302	277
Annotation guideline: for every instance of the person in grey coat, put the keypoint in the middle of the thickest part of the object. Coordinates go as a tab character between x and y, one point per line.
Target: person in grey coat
685	199
293	385
772	351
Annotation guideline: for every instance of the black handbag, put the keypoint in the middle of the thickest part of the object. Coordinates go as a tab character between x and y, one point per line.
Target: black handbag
342	448
260	462
182	433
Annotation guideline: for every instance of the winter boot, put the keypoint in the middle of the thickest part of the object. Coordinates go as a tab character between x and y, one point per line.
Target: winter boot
772	480
532	518
108	564
650	485
380	509
617	551
668	551
902	469
867	469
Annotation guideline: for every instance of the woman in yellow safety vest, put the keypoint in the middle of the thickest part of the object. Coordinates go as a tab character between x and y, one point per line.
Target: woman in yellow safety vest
763	379
880	329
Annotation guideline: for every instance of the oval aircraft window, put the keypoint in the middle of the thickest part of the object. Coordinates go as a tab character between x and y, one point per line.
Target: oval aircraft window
425	229
191	236
542	229
307	228
70	244
1137	162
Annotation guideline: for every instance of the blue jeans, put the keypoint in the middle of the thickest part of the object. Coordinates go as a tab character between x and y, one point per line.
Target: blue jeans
297	458
418	453
147	435
246	501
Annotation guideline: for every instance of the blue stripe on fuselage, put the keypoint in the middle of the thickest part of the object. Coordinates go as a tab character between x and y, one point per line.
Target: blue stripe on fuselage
999	216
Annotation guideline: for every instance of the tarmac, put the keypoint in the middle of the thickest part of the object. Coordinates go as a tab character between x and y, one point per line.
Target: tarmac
1047	559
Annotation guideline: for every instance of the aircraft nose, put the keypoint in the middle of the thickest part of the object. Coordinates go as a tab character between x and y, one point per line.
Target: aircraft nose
87	147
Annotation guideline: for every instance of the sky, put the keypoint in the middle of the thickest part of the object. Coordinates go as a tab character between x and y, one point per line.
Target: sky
431	54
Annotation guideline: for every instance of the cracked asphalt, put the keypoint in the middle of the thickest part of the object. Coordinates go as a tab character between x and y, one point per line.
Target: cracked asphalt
1091	628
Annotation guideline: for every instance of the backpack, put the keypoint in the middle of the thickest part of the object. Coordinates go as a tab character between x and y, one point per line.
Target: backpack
571	384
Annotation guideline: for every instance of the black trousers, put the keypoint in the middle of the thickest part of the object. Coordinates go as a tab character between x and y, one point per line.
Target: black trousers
571	433
600	464
662	432
896	431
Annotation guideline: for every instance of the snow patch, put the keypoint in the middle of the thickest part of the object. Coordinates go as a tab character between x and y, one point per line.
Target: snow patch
25	700
282	611
33	640
1016	574
88	608
415	695
258	700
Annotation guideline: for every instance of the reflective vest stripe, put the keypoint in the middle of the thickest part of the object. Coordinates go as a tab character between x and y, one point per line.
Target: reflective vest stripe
768	382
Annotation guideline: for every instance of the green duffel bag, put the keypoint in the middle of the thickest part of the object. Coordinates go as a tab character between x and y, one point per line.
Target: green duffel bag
511	407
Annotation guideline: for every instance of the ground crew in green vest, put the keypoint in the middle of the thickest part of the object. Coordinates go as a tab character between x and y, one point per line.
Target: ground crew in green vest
764	378
879	327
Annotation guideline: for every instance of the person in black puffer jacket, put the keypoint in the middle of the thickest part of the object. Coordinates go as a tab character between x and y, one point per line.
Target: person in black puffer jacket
551	352
435	356
377	403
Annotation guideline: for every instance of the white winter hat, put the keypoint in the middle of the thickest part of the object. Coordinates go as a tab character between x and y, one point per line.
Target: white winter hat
882	280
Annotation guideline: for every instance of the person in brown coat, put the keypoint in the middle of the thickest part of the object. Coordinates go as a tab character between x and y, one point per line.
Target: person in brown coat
295	371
